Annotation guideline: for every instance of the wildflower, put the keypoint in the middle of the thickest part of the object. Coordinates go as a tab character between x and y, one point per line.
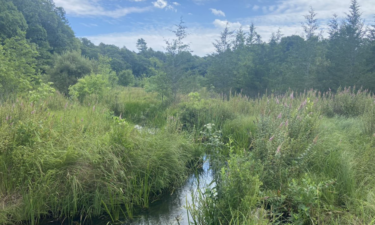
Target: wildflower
286	123
278	150
279	116
32	112
281	125
277	101
120	116
93	108
271	138
7	118
291	96
82	120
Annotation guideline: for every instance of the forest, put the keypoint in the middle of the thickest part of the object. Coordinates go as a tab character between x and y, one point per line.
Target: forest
96	131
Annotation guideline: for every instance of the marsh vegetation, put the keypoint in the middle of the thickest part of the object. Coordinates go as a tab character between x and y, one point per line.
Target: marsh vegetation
101	134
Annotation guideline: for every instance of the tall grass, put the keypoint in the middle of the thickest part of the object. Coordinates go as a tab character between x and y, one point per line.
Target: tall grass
64	160
311	156
299	158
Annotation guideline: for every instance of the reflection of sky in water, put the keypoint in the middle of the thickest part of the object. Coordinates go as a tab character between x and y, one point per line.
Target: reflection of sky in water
171	209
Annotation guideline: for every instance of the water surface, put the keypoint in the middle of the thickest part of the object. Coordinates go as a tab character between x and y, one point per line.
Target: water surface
171	210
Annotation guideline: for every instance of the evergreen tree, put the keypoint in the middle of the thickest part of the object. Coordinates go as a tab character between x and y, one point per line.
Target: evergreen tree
142	45
224	43
177	54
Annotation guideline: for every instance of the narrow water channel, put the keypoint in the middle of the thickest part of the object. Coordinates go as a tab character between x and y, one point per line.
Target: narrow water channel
171	209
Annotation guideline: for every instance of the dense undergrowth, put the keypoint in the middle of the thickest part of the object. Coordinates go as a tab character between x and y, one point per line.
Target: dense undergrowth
66	160
298	158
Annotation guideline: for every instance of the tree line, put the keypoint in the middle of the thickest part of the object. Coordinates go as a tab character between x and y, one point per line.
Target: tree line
37	46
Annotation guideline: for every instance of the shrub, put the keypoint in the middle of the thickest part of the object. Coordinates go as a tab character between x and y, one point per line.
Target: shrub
89	85
67	69
125	78
42	92
197	112
241	130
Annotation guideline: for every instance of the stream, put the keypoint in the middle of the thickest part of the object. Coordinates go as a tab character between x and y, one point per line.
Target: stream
171	209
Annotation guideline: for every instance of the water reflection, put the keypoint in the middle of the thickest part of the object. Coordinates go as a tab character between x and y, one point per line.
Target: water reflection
171	209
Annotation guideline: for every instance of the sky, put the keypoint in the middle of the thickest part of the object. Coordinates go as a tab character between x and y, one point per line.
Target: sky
123	22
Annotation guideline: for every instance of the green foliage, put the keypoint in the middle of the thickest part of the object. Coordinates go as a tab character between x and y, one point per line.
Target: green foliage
159	83
42	92
197	112
67	69
126	78
94	84
307	198
12	22
47	25
241	130
81	162
17	67
103	67
348	102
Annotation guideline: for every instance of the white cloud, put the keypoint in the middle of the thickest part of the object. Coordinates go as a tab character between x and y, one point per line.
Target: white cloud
288	15
161	4
223	23
93	8
292	11
156	39
169	7
284	14
176	3
217	12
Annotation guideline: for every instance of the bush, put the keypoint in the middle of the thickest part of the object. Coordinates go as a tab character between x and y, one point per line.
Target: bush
349	102
197	112
89	85
67	69
241	130
126	78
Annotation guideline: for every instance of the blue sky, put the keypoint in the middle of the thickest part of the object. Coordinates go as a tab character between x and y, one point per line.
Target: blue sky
122	22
